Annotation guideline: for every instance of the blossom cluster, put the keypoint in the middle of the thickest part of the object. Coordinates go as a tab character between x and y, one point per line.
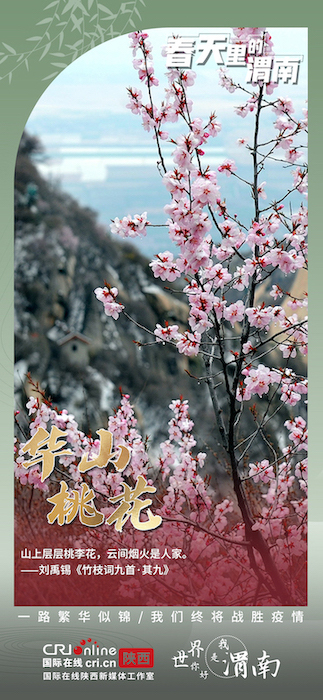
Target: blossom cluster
224	271
276	241
186	501
130	227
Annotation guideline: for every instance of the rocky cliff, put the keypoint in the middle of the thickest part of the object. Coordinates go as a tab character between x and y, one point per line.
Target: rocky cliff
79	356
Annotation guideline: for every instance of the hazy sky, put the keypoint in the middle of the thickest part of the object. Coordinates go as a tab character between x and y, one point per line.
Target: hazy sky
96	81
98	148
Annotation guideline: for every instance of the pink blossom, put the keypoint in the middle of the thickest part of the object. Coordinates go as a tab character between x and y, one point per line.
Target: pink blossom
288	350
198	131
233	237
247	347
292	154
163	135
166	333
198	320
148	121
223	252
189	343
218	274
196	258
298	431
204	191
234	312
34	478
226	82
283	124
176	182
135	103
108	297
219	307
165	267
270	87
183	158
130	227
300	180
261	471
283	105
227	167
260	317
285	143
213	126
261	191
286	261
243	110
38	422
256	234
275	291
241	279
188	77
138	38
147	76
32	405
258	381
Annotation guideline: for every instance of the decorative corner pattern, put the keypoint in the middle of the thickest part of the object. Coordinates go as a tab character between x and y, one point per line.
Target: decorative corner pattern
89	21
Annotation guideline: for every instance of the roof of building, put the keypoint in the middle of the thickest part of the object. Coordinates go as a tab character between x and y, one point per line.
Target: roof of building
73	335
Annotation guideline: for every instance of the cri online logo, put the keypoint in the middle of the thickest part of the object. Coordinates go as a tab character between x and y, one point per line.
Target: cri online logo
128	658
92	649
